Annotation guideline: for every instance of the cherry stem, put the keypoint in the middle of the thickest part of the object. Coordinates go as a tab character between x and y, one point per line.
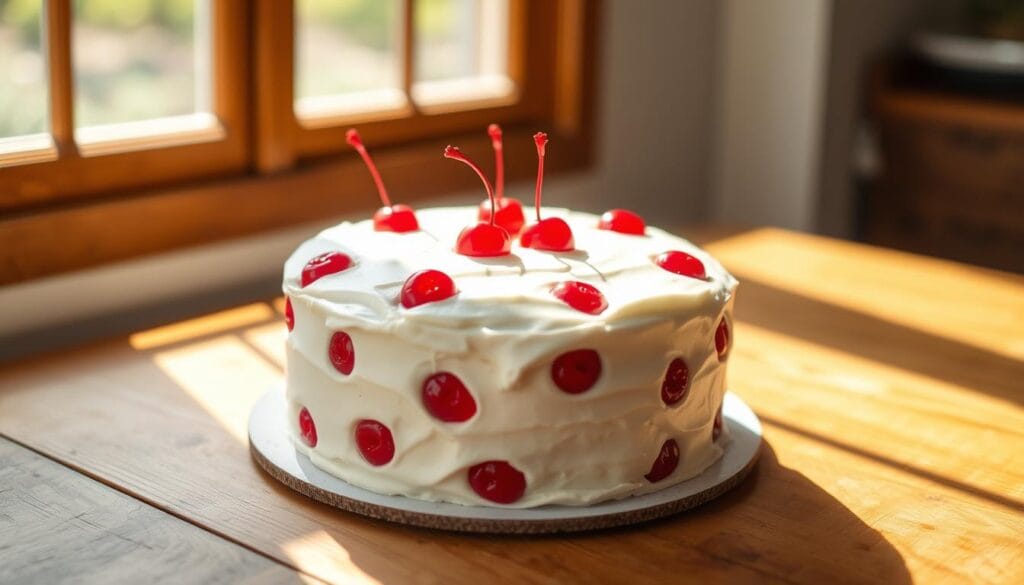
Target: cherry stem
454	153
499	161
353	138
541	139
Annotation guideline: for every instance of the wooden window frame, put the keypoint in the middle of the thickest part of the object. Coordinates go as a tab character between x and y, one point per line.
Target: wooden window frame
295	174
67	171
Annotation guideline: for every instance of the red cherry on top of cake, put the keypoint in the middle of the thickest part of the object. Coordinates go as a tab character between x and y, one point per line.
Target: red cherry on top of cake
681	263
427	286
390	218
483	239
622	221
551	234
508	212
581	296
323	265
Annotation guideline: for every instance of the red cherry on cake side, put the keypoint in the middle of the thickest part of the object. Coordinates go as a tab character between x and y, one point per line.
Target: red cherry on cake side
342	353
580	296
497	481
446	398
390	218
508	211
665	464
722	340
681	263
676	383
551	234
426	286
289	314
622	221
482	239
576	371
375	442
307	428
323	265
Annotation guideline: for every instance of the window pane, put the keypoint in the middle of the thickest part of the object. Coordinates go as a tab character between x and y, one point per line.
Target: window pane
347	55
140	60
461	48
461	38
24	99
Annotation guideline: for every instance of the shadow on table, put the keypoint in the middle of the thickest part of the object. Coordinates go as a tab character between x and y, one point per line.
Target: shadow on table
777	526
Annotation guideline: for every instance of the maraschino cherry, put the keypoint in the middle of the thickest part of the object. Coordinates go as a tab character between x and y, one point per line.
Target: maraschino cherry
484	239
390	218
551	234
509	213
427	286
622	221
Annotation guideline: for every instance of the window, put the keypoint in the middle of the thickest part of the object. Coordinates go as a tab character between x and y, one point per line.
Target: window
130	128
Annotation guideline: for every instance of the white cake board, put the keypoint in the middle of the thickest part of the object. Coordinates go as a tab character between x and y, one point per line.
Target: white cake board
273	451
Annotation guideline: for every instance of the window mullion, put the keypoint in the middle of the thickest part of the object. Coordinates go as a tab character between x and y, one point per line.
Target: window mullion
408	48
58	54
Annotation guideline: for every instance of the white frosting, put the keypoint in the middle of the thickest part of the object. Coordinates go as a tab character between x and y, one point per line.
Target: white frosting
499	335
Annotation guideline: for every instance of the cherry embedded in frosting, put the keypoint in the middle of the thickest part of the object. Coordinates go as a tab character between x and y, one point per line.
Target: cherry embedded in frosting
722	339
576	371
622	221
482	239
681	263
427	286
676	383
390	218
497	481
342	353
375	442
580	296
551	234
446	398
508	215
323	265
289	314
307	428
716	426
666	462
397	218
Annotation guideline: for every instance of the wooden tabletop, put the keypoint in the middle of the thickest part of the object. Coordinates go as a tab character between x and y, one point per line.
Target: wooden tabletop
890	387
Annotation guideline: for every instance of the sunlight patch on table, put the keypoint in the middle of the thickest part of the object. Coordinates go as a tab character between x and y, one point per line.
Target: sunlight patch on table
202	326
911	291
317	553
224	376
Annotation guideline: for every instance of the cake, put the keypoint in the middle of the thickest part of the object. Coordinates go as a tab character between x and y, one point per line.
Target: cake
450	363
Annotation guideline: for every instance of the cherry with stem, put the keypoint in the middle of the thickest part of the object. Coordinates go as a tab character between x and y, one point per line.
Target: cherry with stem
509	212
390	218
551	234
484	239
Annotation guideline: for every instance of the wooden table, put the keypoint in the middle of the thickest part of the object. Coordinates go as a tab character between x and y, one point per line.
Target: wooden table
890	386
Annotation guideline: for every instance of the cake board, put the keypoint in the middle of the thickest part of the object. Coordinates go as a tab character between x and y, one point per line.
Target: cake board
272	449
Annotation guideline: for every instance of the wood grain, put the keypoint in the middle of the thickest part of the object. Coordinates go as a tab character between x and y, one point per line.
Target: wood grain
58	526
893	439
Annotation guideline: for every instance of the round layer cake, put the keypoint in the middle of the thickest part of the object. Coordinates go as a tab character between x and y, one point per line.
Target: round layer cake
521	380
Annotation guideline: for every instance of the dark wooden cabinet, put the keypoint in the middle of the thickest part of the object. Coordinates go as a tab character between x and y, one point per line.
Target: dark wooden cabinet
952	176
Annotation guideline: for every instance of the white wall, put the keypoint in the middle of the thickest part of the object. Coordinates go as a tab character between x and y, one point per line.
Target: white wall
657	95
770	93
